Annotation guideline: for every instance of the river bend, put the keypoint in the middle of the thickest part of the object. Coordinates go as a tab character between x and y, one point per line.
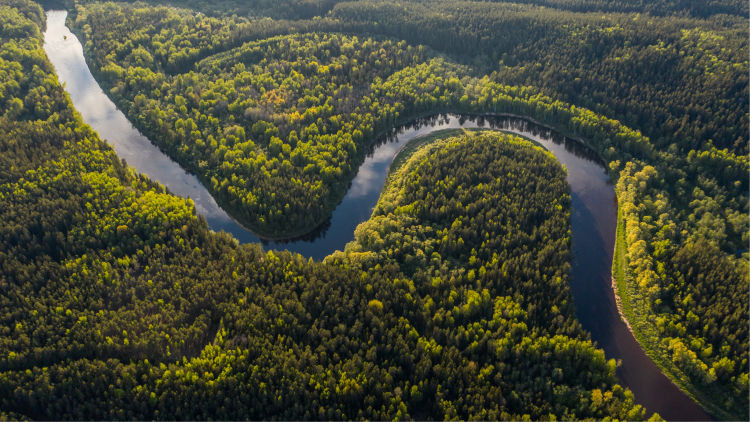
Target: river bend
593	214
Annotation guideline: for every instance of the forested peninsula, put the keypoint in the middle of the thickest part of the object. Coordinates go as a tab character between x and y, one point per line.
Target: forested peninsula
452	301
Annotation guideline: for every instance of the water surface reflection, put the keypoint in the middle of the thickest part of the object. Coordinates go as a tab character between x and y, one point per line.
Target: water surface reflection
593	214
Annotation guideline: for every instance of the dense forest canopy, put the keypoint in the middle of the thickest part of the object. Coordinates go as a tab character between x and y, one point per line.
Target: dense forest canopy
122	304
682	81
304	9
453	299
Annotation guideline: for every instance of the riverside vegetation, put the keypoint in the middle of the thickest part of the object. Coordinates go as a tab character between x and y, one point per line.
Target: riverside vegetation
274	114
122	304
314	98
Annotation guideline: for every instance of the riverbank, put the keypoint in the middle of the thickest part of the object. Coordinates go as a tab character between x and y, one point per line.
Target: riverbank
317	215
593	221
644	331
413	146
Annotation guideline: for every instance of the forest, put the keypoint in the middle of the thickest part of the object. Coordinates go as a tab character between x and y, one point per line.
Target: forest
453	299
122	304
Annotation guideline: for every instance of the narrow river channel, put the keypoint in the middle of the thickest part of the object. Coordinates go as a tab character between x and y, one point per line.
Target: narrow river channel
593	214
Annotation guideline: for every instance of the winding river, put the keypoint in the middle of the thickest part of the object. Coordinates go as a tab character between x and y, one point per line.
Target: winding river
593	216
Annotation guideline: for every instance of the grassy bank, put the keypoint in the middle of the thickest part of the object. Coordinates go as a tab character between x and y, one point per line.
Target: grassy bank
634	311
415	144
